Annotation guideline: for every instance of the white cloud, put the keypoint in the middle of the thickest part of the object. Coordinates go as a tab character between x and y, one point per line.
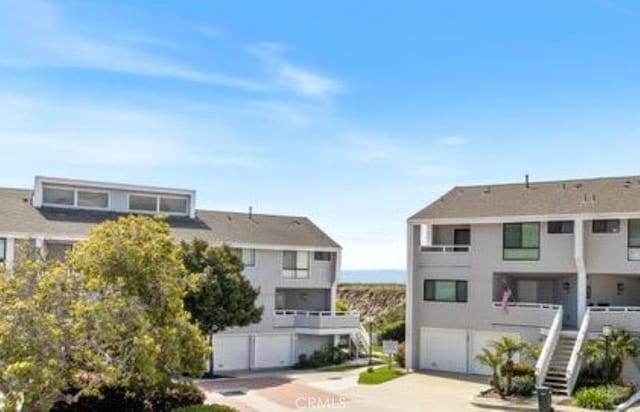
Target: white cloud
293	77
34	34
454	141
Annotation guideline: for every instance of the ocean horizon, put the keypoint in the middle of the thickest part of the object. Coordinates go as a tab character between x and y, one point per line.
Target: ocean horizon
373	276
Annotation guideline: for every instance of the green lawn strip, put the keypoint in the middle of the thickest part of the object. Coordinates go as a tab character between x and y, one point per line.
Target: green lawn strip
379	375
340	368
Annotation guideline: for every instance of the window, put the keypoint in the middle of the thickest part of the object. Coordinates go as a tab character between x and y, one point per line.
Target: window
462	237
295	264
445	290
92	199
173	205
248	257
605	226
3	249
58	196
521	241
143	203
322	256
561	226
634	239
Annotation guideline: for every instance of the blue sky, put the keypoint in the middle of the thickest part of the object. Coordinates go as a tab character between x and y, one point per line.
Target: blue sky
355	114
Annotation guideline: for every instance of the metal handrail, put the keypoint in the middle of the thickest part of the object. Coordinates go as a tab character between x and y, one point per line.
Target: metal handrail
542	365
575	362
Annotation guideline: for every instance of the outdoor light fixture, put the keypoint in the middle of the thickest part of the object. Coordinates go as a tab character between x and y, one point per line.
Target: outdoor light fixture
588	292
304	296
565	286
607	331
620	288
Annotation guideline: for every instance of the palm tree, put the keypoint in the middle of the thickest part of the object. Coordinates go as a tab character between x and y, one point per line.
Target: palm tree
493	360
623	345
508	347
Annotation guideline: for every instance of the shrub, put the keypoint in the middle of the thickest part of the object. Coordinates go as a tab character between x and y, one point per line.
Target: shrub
594	398
400	356
119	398
523	385
393	331
520	369
328	355
206	408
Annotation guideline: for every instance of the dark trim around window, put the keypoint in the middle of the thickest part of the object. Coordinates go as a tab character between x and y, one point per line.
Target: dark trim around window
605	226
560	227
3	249
461	290
518	244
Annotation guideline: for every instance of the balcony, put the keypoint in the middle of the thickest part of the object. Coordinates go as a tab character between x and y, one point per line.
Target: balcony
317	320
524	315
444	255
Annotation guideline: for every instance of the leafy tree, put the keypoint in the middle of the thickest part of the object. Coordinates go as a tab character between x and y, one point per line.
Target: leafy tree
509	347
622	345
341	305
54	335
492	359
138	260
222	297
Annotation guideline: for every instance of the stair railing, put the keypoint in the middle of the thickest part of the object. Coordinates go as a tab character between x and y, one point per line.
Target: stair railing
542	366
575	362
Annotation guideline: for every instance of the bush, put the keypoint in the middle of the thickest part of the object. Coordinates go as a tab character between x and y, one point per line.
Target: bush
206	408
520	369
161	399
327	356
400	356
523	385
594	398
393	331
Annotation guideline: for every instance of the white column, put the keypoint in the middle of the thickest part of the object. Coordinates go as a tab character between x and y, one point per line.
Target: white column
581	269
409	361
336	277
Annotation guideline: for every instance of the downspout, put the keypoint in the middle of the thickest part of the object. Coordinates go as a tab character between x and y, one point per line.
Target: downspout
408	348
581	269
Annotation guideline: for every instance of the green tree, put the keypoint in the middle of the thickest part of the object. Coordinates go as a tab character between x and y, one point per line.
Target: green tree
509	347
137	259
54	334
492	359
222	296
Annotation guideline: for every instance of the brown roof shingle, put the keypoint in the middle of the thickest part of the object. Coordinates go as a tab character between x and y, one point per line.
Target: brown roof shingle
601	195
17	215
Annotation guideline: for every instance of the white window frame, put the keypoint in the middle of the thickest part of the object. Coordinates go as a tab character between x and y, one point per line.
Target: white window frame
299	273
75	191
157	197
252	254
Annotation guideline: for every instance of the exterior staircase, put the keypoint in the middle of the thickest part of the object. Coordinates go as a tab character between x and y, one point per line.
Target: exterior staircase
361	342
556	378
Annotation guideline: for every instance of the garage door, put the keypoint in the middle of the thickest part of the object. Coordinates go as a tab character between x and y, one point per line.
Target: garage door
273	351
443	349
231	353
481	339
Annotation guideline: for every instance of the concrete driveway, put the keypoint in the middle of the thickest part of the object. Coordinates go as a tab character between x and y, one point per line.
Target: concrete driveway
286	391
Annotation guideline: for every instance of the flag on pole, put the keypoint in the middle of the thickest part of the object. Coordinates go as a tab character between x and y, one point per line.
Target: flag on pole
506	295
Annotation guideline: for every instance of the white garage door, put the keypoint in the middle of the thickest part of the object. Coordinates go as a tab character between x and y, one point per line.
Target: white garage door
273	351
481	339
443	349
231	353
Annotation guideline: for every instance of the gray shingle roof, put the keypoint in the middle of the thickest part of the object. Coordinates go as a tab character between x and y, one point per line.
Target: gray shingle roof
18	216
602	195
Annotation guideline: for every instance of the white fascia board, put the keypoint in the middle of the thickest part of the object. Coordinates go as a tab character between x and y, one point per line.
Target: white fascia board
74	238
39	180
524	218
325	331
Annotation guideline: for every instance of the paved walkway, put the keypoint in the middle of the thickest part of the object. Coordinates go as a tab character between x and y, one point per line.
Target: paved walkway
285	391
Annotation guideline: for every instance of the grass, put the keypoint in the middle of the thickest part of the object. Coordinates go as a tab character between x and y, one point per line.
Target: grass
379	375
339	368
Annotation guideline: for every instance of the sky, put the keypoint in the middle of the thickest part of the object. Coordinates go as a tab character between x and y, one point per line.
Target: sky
355	114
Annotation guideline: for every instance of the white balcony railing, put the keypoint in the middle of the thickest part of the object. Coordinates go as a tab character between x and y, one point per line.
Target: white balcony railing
314	319
530	315
445	248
